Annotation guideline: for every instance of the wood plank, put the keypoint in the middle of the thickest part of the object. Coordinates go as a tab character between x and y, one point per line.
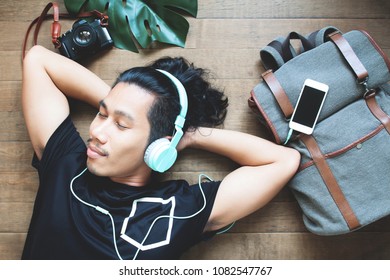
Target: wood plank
262	246
372	245
293	9
10	96
246	62
274	217
18	187
267	246
11	245
220	33
16	157
18	217
286	216
256	33
14	129
293	246
27	10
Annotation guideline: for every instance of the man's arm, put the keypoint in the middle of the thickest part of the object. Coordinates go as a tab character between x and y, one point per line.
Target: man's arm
265	169
48	78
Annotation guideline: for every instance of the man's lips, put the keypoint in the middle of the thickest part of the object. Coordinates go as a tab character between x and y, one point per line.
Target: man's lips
95	152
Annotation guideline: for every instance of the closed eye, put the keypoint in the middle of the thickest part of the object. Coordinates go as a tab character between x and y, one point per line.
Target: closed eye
101	115
121	126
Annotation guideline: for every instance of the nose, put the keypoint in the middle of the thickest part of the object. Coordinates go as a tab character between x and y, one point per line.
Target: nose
98	130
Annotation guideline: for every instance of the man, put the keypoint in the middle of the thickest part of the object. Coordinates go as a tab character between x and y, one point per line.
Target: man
100	201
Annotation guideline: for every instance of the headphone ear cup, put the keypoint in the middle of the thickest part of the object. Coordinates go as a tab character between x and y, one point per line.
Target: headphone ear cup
160	155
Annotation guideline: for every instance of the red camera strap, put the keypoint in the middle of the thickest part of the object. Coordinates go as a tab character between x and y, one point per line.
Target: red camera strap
56	26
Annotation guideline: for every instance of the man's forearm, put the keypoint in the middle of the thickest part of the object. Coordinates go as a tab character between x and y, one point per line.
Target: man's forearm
245	149
72	79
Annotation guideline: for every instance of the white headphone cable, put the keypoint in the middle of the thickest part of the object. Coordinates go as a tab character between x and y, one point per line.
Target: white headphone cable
105	212
177	217
98	208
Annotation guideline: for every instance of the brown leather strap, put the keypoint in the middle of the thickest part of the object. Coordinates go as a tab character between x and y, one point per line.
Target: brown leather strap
56	26
376	46
279	93
377	111
37	21
350	56
330	181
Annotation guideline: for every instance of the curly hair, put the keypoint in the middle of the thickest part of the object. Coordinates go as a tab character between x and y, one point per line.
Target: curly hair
207	106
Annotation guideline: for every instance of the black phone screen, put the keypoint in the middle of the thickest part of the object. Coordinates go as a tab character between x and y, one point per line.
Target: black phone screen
308	106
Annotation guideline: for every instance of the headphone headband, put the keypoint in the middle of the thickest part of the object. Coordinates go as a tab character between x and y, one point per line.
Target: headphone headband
182	95
161	154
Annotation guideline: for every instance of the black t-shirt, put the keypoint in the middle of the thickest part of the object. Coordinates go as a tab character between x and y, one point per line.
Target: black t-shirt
64	228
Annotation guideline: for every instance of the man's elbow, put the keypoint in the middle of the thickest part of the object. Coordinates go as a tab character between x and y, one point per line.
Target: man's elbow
36	52
292	160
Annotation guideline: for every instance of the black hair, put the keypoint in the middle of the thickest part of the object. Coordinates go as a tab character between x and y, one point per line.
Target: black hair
207	106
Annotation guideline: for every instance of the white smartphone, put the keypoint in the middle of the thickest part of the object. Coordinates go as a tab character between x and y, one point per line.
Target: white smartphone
308	106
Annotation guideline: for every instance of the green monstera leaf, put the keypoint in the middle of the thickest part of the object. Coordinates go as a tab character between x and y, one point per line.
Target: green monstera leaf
142	20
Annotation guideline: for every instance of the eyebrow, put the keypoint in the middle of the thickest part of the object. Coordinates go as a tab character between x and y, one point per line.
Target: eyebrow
102	104
117	112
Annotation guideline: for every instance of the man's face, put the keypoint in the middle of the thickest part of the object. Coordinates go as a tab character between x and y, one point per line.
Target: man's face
120	132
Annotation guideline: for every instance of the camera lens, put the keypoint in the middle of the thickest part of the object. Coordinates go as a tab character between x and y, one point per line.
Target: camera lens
84	37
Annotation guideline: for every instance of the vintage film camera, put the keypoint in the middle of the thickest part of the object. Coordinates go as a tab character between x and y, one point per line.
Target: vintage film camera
84	40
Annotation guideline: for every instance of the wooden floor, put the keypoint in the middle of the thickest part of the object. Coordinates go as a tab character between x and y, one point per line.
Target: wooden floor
226	38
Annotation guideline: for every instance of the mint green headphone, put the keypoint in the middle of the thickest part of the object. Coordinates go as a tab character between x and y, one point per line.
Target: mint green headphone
161	154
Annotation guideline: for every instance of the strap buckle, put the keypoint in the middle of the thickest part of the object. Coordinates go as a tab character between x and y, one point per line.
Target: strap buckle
369	91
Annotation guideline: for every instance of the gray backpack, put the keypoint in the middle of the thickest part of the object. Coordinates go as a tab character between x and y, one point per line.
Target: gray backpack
343	182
